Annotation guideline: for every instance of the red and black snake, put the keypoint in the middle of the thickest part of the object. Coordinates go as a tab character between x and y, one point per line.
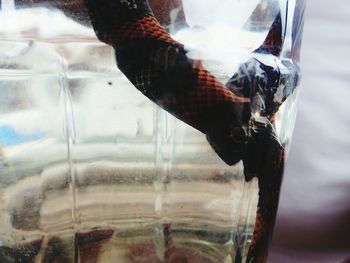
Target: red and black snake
158	66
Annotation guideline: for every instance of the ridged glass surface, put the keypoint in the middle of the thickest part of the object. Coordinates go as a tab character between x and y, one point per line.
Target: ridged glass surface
93	171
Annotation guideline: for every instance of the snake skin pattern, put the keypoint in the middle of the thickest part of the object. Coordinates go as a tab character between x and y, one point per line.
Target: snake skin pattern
266	161
158	66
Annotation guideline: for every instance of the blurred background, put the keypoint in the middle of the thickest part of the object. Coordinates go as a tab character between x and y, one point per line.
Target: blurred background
313	218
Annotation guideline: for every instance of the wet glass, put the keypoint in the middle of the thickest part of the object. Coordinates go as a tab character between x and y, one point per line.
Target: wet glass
91	170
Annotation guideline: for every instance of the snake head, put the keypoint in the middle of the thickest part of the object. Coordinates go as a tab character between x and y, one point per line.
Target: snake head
227	135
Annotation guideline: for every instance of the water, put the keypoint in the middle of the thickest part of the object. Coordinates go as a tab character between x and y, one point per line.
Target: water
92	171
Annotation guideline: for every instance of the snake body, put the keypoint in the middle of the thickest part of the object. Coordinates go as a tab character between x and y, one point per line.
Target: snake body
158	66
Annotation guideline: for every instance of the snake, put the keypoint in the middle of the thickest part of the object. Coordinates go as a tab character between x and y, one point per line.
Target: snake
158	66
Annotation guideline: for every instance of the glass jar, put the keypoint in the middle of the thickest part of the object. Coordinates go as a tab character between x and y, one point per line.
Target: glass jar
93	169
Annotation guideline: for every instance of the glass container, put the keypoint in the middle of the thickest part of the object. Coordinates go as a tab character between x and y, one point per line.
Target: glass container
93	169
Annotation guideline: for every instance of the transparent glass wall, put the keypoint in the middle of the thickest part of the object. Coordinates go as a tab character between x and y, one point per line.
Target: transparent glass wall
93	171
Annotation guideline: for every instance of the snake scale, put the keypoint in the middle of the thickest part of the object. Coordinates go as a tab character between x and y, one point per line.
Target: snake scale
158	66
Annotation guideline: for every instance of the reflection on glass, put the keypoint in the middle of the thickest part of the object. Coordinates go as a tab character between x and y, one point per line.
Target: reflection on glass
91	170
